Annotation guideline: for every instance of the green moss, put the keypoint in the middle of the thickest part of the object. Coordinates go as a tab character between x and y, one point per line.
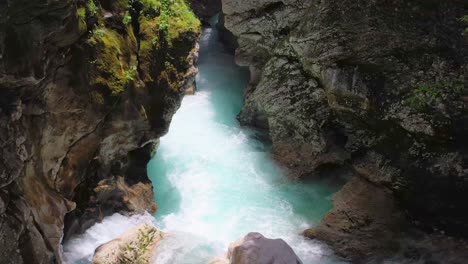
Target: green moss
97	97
113	57
148	34
180	19
127	19
81	12
82	26
162	59
99	33
161	23
170	17
170	77
131	73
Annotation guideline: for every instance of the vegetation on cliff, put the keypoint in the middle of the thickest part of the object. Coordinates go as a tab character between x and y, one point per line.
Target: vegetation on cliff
428	94
125	39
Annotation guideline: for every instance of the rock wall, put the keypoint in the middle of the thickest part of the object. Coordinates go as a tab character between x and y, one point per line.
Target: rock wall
86	90
375	90
205	9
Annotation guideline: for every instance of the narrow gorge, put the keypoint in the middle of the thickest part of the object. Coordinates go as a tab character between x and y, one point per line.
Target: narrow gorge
233	131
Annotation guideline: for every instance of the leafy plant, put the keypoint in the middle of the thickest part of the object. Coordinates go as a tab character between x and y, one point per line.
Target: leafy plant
127	19
98	33
427	94
155	41
130	74
92	7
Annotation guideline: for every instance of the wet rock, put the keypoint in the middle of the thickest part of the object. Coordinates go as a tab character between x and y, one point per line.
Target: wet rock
255	248
205	9
135	246
362	223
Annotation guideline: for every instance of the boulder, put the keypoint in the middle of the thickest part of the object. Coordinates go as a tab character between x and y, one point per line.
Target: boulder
135	246
255	248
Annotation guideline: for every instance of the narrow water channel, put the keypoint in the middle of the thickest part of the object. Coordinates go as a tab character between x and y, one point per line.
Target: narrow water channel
215	181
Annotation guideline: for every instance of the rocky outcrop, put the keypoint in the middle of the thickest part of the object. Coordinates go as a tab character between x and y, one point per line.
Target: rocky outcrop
135	246
345	87
255	248
361	210
205	9
86	90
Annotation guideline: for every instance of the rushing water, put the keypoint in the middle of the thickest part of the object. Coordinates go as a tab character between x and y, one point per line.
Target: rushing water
215	181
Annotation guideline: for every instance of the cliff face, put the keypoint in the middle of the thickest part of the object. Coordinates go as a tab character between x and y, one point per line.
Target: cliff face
370	89
86	89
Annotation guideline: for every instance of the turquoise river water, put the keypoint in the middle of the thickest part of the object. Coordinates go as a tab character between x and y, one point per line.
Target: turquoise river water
215	181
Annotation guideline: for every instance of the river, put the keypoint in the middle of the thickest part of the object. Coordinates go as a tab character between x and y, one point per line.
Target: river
215	181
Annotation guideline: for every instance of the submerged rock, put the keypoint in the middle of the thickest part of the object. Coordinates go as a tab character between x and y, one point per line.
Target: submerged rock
255	248
136	246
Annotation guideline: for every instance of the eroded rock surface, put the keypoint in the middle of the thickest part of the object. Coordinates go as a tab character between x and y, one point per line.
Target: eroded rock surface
374	89
86	90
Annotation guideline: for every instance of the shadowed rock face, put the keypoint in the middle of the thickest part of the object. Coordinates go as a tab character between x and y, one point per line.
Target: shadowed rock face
82	103
255	248
374	89
205	9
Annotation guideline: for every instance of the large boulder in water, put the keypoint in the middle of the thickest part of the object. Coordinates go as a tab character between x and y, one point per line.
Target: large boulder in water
255	248
135	246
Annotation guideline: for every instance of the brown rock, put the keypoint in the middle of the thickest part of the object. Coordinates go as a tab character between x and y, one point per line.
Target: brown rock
362	223
190	90
255	248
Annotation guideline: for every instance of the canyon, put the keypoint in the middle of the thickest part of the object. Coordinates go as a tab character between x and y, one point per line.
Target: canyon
369	93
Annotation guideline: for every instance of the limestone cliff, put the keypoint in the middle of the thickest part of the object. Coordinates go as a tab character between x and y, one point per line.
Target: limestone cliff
375	90
86	90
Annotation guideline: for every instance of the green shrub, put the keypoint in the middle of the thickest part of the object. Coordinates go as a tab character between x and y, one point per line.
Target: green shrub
465	20
427	94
